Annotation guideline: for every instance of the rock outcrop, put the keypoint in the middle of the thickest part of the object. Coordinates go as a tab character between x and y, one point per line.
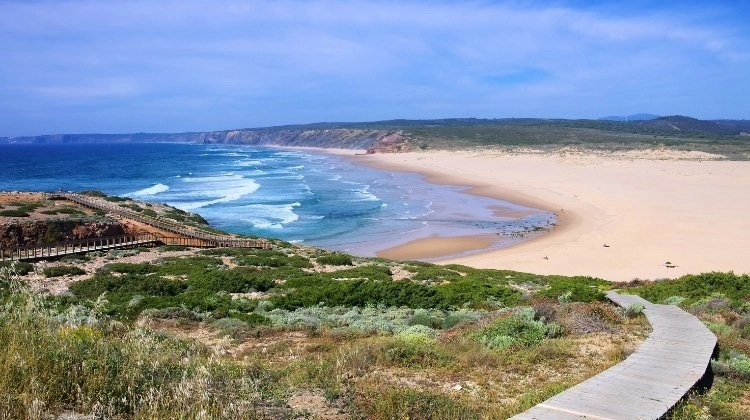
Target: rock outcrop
28	233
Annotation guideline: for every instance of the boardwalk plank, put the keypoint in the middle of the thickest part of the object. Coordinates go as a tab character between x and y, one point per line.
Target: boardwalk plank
648	383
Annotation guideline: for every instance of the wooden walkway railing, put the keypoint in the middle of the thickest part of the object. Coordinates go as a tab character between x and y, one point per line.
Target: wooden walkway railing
39	252
162	223
76	247
187	236
647	384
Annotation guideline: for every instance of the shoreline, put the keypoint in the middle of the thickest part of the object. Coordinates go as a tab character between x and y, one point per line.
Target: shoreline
618	218
435	246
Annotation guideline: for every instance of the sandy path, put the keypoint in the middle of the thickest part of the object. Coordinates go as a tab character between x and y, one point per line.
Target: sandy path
694	214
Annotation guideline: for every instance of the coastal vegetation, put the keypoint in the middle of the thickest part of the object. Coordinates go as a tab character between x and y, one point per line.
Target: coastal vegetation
241	333
275	333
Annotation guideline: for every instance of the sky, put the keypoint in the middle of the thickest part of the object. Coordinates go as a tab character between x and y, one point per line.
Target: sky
92	66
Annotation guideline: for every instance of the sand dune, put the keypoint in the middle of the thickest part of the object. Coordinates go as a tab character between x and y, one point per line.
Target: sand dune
648	208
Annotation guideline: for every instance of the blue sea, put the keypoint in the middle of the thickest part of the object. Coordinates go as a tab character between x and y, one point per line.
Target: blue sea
299	196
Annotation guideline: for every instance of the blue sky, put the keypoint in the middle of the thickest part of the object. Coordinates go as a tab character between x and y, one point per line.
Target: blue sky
191	65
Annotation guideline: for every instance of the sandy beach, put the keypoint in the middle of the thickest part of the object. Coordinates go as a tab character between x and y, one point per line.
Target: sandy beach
621	216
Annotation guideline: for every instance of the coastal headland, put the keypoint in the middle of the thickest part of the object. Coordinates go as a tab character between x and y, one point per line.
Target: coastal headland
639	214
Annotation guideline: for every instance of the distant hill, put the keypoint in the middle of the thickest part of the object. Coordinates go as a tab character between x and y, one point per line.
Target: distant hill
457	133
634	117
688	124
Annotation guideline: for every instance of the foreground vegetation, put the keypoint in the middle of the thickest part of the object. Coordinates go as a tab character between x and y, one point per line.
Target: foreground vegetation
241	333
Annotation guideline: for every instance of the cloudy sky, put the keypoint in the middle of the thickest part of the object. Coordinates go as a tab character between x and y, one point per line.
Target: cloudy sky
192	65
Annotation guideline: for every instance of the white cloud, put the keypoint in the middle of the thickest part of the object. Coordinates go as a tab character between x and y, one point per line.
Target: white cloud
387	57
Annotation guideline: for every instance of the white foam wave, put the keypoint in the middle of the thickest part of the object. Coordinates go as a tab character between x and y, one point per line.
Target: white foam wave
220	188
248	162
152	190
363	194
213	178
271	216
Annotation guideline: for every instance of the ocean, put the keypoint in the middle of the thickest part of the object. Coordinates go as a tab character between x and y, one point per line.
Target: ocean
299	196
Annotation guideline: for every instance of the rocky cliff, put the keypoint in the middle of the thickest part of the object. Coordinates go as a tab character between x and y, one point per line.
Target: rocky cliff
28	233
342	138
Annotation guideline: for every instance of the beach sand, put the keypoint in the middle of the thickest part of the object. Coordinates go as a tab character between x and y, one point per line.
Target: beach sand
647	207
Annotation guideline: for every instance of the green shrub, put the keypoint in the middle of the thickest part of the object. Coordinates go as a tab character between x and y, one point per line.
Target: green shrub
335	259
434	274
694	287
21	267
416	347
72	211
369	272
231	281
674	300
424	318
13	213
459	317
130	268
63	270
473	292
171	313
734	364
128	283
518	328
634	309
315	290
76	258
267	258
574	289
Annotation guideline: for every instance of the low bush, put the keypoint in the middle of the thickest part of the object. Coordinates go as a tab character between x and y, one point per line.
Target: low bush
474	292
20	267
63	270
170	313
231	281
734	364
574	289
128	283
634	309
416	347
335	259
694	287
266	258
368	272
433	274
71	211
517	328
13	213
130	268
77	258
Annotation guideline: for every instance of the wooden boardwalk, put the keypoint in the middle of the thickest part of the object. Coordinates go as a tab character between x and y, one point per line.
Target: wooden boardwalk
185	235
161	222
646	385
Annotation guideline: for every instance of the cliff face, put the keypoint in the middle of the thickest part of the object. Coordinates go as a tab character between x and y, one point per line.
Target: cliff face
341	138
47	232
